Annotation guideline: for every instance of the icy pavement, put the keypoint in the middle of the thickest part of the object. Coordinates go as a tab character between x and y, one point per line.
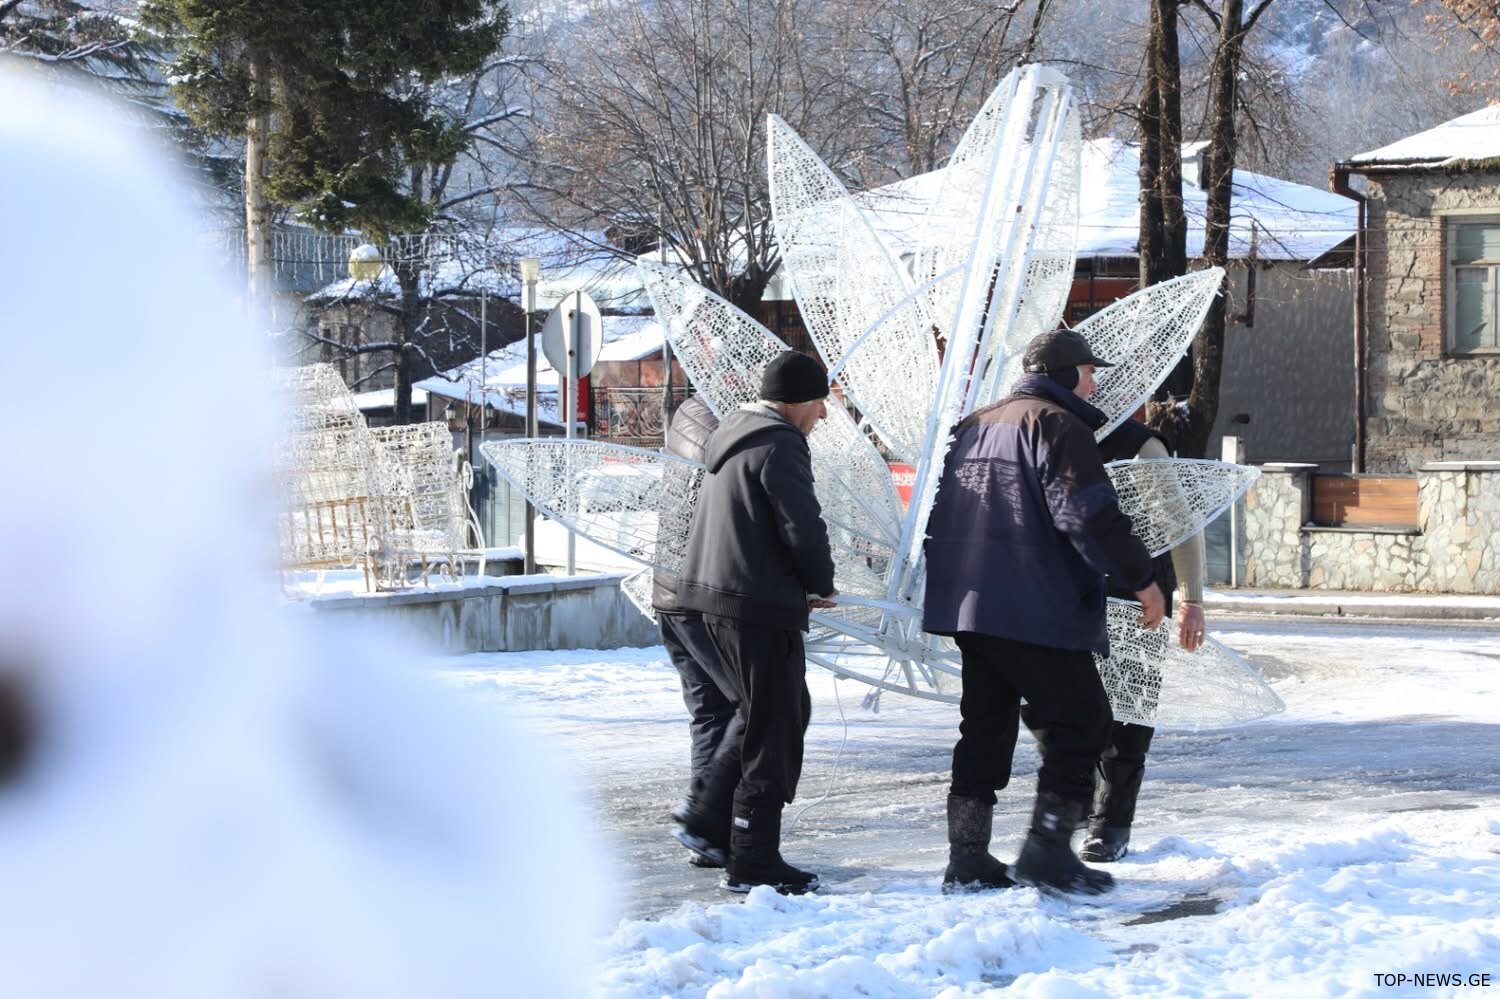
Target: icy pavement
1356	835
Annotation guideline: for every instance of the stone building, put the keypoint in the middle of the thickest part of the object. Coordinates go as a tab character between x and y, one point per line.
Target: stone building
1429	347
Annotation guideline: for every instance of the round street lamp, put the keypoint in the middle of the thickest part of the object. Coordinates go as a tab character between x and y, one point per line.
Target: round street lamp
365	262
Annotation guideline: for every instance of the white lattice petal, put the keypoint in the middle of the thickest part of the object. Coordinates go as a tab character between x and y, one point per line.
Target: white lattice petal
1151	680
723	351
1171	499
332	506
1145	335
846	281
1049	272
637	589
981	225
952	229
609	493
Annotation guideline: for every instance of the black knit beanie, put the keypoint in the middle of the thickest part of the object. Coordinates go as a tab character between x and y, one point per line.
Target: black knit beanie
793	377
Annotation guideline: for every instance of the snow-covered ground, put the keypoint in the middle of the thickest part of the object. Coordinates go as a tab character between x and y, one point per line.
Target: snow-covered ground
1356	835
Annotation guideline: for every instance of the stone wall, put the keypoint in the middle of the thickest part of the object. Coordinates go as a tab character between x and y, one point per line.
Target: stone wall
1448	551
1422	404
509	614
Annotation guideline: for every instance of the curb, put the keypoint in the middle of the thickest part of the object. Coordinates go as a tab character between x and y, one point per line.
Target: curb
1312	607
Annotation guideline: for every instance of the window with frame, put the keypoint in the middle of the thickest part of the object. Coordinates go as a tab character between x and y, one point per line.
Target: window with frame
1473	286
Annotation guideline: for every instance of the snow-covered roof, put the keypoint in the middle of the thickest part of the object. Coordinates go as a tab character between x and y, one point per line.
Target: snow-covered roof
1474	136
502	374
1294	221
386	398
568	264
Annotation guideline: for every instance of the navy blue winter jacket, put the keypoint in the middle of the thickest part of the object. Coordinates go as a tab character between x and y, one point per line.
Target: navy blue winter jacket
1027	524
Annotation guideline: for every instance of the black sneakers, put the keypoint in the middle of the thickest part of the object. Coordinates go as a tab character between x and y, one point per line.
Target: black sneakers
706	853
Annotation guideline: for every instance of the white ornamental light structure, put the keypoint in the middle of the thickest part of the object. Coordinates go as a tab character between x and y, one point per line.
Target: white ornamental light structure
992	272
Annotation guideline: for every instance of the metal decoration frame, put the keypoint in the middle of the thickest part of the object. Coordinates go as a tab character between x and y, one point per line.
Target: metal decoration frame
380	500
992	271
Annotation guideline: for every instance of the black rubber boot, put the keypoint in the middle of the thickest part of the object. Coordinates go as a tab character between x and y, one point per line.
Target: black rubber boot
1047	859
755	855
1105	844
703	817
971	867
706	852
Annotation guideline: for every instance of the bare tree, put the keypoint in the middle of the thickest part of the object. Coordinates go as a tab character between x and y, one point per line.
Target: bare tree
654	131
927	67
1163	238
1193	423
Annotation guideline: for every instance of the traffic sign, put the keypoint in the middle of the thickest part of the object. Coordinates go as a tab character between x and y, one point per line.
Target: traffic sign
575	320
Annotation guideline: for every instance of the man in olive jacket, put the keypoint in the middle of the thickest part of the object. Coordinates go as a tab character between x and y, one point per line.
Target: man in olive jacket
1025	526
757	559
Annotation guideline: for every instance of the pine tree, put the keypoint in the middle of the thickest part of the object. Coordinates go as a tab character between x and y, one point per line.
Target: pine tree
327	95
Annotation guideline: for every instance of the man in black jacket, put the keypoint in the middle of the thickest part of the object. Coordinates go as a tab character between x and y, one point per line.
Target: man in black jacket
757	560
702	817
1025	526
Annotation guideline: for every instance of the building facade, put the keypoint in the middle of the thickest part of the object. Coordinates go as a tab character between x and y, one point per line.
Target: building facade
1431	338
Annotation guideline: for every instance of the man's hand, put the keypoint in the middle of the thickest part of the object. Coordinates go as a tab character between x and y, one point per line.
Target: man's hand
822	603
1190	627
1153	606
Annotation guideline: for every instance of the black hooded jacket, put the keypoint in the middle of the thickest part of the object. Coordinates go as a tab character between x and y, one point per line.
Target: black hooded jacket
758	545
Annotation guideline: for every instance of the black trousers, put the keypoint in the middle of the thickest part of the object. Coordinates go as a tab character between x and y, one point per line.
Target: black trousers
1066	707
714	720
1122	766
706	690
769	674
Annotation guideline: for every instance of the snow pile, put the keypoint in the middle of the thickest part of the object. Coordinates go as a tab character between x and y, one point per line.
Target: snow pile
1271	917
215	798
1357	834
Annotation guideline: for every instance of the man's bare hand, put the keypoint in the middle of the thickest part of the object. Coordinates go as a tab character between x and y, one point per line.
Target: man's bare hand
822	603
1190	627
1153	606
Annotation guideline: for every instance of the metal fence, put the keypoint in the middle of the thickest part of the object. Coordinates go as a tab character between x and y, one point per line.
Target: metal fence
633	416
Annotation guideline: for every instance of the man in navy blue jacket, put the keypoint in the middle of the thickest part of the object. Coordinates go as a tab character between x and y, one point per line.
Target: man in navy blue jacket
1025	526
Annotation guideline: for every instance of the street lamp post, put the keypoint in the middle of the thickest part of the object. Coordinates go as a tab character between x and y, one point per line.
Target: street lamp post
531	271
365	266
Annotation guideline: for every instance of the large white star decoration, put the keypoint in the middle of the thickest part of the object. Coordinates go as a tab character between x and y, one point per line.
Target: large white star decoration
992	271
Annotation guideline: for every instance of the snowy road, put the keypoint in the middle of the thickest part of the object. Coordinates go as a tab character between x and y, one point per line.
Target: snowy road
1359	833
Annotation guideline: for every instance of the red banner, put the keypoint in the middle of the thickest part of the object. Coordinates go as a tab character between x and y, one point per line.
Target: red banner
905	477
